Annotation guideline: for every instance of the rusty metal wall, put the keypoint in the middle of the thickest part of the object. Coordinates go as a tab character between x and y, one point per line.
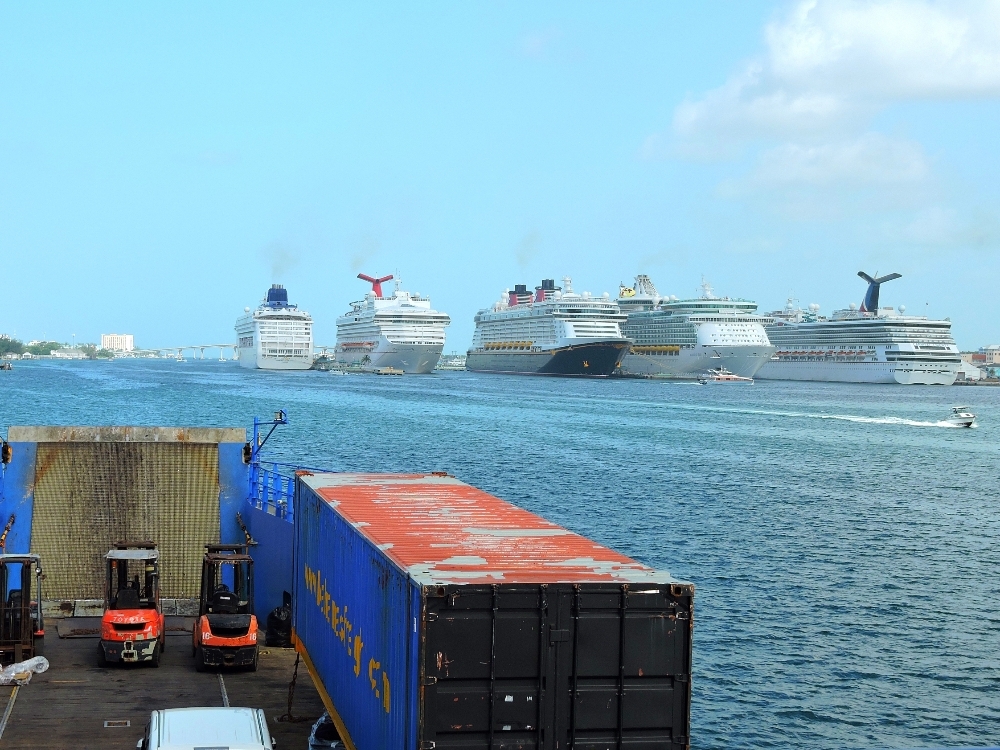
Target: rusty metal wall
89	495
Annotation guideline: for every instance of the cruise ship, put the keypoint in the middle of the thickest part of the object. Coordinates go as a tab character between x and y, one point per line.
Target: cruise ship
401	332
275	336
686	337
870	344
553	331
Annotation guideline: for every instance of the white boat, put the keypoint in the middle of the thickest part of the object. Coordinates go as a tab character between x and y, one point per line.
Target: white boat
961	416
868	345
683	337
722	375
554	331
400	332
275	336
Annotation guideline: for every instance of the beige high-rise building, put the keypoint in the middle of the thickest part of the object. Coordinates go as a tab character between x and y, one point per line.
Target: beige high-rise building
117	342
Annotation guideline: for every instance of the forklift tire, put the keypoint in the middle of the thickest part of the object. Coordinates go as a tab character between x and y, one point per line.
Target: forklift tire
102	660
252	667
163	643
199	659
155	661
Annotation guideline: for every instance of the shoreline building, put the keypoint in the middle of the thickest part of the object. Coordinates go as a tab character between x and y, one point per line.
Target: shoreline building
118	342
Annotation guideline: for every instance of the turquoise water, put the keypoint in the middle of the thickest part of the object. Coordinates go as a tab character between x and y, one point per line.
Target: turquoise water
843	543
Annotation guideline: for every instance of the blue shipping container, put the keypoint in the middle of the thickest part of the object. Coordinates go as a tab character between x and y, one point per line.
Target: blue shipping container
431	614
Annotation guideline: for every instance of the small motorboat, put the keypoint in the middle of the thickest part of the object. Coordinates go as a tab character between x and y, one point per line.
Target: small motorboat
6	366
722	375
961	417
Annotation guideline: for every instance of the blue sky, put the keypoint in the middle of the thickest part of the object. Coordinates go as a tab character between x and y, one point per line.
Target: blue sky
161	165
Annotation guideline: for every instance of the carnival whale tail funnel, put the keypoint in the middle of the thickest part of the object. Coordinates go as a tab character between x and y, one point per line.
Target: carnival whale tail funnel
870	303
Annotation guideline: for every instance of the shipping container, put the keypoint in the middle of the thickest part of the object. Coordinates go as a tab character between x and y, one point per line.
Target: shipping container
434	615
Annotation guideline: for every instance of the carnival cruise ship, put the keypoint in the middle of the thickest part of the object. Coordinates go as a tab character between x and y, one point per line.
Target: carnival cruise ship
868	345
686	337
275	336
554	331
400	332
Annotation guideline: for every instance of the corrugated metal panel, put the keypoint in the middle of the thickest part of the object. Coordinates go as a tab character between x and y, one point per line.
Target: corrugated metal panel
523	634
353	613
90	494
443	531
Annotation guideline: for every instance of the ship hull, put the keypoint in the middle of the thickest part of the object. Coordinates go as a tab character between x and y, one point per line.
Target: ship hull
689	362
412	359
249	359
861	372
594	359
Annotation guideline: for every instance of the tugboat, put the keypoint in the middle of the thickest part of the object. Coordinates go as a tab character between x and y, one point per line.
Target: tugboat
722	375
961	417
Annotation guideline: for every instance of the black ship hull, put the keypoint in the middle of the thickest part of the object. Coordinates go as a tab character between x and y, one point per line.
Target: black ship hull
598	360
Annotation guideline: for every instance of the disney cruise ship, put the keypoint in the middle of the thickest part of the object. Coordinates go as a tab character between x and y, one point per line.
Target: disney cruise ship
275	336
868	345
686	337
401	331
554	331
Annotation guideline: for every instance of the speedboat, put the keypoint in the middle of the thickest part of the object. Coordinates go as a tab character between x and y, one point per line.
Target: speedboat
722	375
961	417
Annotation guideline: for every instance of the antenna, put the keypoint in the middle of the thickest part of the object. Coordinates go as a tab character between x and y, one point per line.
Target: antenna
870	303
376	283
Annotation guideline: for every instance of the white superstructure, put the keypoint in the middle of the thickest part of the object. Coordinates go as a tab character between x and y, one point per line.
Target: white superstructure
275	336
868	345
554	331
401	331
685	337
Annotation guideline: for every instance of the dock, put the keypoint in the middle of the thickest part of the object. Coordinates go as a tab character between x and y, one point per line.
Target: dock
81	705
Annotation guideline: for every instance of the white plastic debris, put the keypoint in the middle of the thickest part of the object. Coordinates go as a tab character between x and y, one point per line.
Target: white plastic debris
20	672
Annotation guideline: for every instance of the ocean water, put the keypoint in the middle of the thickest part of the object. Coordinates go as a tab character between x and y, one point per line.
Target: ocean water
844	542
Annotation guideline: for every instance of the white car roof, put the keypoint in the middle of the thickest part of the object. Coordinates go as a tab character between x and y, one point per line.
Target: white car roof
233	728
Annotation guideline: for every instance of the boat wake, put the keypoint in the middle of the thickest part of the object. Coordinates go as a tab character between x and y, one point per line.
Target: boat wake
883	420
839	417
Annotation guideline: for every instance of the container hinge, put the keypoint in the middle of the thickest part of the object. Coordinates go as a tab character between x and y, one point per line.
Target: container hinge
558	636
430	680
682	677
681	739
427	744
431	617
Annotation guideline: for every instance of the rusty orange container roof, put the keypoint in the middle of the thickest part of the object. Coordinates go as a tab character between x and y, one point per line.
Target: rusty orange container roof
443	531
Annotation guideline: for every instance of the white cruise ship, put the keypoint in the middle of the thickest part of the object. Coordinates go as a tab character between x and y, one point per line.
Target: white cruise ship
686	337
275	336
401	331
868	345
554	331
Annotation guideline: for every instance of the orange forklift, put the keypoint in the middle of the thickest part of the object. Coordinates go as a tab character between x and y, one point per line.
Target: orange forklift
132	629
225	633
22	630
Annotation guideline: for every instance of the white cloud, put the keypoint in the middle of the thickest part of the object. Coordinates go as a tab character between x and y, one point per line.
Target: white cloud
895	49
831	64
872	159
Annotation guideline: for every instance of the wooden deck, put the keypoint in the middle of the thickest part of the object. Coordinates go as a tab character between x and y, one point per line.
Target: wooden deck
68	705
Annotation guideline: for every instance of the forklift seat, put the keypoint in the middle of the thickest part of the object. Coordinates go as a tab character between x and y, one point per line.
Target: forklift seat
127	599
225	602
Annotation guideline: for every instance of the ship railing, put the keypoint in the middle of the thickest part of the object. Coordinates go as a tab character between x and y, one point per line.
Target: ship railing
273	487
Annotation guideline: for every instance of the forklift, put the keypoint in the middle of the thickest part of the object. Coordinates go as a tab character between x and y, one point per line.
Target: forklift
225	633
22	630
132	629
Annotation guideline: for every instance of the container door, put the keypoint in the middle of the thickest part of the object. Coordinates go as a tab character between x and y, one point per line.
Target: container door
625	675
591	666
487	669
